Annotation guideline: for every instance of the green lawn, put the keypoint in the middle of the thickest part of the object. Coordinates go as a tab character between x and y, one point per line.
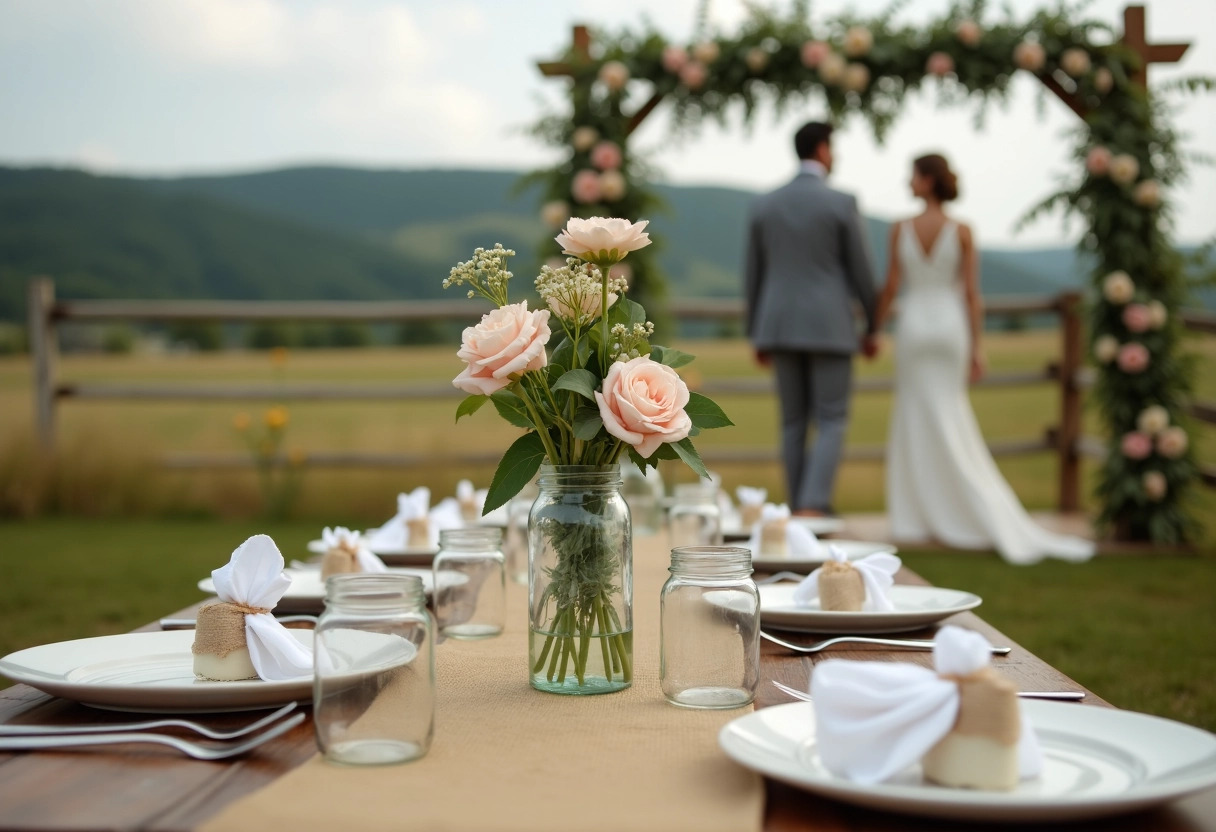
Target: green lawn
1136	630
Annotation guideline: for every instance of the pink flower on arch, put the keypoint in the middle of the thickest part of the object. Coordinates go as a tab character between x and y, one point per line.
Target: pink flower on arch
939	64
1137	318
1133	358
607	155
586	187
1136	445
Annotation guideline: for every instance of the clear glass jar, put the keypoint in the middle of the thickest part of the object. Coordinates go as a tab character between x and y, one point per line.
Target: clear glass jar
470	583
374	686
696	519
710	620
580	582
644	493
515	537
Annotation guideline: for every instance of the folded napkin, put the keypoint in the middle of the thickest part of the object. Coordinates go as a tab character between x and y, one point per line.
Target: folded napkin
341	537
874	719
751	496
254	577
800	541
877	575
446	515
395	533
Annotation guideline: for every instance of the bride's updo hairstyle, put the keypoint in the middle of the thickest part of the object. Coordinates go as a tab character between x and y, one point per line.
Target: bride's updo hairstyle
935	168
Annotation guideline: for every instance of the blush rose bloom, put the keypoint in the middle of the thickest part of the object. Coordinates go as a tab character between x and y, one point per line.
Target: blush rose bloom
509	341
856	78
643	404
607	155
1137	318
813	52
1029	55
674	59
1155	485
858	41
939	64
969	33
1104	80
1133	358
602	240
1075	61
612	186
1153	419
1172	442
1124	169
694	75
1136	445
1097	161
1118	288
1147	194
585	187
706	52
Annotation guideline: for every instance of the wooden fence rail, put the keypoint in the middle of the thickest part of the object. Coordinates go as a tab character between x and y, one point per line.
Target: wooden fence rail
46	313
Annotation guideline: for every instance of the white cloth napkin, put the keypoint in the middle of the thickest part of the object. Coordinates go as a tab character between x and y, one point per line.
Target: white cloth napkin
342	537
395	534
874	719
751	496
799	540
446	515
465	491
254	577
877	575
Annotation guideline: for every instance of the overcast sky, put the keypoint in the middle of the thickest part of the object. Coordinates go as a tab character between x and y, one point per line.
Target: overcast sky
181	86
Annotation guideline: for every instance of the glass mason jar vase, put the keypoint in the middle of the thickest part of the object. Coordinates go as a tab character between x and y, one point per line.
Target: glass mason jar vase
710	642
696	519
374	686
470	583
580	582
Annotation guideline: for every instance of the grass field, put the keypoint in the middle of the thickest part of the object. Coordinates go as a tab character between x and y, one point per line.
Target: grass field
107	467
1136	630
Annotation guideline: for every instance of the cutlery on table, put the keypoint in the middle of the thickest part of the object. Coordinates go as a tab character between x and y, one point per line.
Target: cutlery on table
777	577
198	751
915	644
189	623
128	727
1064	695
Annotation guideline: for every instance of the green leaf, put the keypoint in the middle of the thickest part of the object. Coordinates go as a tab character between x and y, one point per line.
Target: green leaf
673	358
584	352
470	405
689	455
641	463
511	407
626	312
578	381
587	423
561	356
705	413
515	470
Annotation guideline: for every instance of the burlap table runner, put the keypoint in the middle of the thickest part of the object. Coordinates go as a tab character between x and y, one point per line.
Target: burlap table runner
506	757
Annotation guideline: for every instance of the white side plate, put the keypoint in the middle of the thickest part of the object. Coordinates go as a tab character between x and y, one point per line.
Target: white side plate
1097	762
915	607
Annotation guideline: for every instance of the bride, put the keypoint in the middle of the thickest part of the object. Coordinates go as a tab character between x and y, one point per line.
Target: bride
942	482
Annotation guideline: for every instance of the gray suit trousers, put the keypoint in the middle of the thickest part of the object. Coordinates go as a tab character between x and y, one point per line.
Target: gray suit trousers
814	388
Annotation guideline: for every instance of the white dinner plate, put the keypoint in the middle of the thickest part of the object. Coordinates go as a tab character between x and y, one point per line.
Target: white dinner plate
144	672
391	555
307	590
1097	762
818	526
915	607
853	549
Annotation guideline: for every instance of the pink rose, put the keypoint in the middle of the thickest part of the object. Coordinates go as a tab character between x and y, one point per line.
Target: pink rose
1104	80
1155	485
614	75
1172	442
969	33
694	75
1136	445
674	59
606	156
1133	358
509	341
586	187
813	53
1029	56
643	404
1097	161
1136	317
939	64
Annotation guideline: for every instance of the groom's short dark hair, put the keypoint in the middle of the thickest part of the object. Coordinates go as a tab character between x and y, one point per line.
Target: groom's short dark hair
809	137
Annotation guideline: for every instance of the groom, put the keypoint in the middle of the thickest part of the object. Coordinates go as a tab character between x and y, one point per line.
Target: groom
807	262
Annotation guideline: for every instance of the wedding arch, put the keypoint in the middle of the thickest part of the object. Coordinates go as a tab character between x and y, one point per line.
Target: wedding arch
1126	155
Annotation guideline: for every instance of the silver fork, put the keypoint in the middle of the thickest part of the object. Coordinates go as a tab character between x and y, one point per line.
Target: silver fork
1065	695
126	728
196	750
916	644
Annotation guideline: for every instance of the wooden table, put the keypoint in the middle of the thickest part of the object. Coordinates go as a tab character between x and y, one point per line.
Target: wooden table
145	788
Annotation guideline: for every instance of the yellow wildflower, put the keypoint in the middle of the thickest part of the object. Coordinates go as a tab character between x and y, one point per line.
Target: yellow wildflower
276	418
240	421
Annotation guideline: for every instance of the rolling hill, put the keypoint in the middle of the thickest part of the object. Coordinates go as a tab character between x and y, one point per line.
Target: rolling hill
345	233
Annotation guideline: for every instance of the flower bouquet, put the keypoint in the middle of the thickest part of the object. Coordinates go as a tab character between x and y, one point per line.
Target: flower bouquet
604	390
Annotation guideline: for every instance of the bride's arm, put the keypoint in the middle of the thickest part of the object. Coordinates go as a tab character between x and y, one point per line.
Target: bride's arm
889	291
975	302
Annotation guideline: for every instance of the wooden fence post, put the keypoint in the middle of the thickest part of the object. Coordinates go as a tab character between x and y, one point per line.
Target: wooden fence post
1068	436
44	349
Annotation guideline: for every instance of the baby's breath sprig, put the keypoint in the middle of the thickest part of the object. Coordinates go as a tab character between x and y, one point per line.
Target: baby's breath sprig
574	292
486	274
630	342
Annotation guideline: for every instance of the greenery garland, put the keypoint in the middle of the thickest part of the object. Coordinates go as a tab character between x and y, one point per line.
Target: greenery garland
1126	153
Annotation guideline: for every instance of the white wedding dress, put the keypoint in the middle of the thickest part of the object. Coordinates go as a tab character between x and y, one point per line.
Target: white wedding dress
942	482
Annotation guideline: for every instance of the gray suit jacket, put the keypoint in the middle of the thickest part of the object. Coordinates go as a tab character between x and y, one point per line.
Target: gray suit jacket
807	260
